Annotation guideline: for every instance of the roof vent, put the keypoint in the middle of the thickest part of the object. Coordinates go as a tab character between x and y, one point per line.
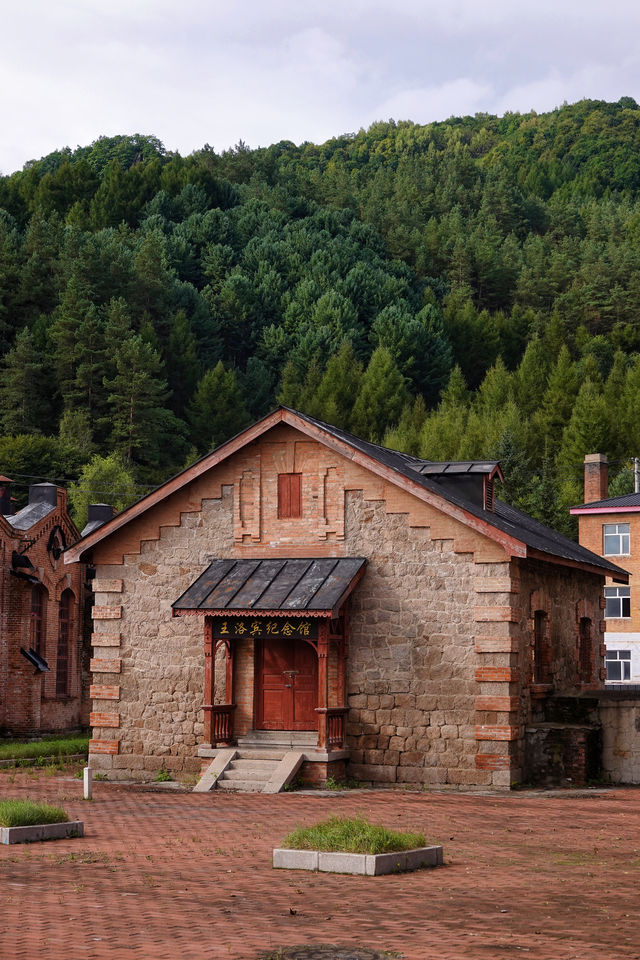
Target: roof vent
43	493
488	493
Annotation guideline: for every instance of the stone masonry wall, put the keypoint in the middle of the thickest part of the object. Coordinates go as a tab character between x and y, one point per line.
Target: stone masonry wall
148	696
440	627
411	678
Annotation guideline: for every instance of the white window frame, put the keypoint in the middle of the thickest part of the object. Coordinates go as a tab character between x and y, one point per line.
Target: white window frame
616	540
621	658
615	605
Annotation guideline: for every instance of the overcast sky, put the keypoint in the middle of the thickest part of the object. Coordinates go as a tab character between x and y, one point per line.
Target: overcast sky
216	71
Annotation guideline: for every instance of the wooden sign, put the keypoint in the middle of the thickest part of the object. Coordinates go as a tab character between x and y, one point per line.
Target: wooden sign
262	628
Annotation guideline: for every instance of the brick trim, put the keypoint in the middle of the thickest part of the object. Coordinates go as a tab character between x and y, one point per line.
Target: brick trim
97	719
487	732
104	691
505	704
104	746
497	674
107	613
98	665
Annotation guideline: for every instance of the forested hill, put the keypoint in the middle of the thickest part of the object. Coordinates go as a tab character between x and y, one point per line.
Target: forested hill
462	289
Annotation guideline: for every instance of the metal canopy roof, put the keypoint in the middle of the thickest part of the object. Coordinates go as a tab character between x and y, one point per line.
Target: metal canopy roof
296	587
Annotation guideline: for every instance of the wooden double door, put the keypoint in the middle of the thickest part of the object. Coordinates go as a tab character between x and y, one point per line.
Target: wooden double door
286	685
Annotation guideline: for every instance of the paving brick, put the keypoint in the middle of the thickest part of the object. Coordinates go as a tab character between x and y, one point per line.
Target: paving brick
160	875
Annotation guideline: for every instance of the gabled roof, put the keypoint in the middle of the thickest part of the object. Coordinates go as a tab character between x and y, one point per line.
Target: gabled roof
629	502
519	534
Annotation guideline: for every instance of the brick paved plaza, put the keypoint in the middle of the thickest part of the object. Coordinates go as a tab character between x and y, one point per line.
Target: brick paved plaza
180	875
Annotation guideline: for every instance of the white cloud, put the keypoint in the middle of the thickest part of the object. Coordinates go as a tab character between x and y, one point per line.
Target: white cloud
264	71
425	104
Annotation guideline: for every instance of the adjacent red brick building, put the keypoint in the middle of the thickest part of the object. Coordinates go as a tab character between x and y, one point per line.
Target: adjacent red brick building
42	674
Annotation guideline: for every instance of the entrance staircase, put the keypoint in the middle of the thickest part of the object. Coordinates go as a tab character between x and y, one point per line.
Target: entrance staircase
264	761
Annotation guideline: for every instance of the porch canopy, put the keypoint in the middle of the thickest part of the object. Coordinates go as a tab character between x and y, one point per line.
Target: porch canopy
309	588
277	601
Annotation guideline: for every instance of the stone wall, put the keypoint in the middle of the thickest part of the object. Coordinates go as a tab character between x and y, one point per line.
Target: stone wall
411	669
152	664
440	630
620	740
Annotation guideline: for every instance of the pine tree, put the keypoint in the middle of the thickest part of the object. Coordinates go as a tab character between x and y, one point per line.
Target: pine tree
142	426
338	389
217	410
381	397
23	388
183	366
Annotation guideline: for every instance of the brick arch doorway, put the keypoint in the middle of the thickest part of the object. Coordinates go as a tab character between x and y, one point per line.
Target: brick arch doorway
286	685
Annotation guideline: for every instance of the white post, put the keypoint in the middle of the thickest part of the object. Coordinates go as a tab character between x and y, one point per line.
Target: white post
636	476
88	783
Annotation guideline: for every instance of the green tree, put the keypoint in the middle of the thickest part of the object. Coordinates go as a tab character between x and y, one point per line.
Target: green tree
217	411
144	432
339	387
23	388
381	397
102	480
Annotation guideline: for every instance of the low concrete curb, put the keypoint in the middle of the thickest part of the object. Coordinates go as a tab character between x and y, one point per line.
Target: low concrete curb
370	865
42	831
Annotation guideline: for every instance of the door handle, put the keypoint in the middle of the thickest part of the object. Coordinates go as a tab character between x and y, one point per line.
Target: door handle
287	684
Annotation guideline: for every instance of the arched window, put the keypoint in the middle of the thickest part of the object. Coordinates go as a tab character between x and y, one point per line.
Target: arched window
38	619
585	650
63	659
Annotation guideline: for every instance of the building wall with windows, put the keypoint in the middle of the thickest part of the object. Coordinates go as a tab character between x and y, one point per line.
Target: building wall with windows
610	527
41	613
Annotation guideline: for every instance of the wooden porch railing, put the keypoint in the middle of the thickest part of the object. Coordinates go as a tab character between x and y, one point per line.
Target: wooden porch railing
221	722
331	727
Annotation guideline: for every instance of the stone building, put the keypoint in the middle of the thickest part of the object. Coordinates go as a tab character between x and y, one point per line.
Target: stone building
41	616
360	610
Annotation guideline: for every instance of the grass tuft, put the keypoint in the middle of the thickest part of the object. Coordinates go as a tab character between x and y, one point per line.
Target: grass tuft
26	813
43	749
351	835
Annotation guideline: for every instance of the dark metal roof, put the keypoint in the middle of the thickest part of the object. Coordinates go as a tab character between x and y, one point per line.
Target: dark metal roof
627	500
311	585
434	468
32	513
503	517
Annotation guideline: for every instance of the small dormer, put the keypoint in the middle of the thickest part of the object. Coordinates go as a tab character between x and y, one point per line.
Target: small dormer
472	480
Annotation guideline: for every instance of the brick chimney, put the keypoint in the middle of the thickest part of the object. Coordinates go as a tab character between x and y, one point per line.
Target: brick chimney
596	477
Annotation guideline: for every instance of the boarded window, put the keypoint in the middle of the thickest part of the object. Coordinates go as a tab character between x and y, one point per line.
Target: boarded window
38	619
540	648
585	650
289	495
63	659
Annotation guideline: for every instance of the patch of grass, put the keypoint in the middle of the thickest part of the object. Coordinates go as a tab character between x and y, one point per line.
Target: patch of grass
351	835
26	813
163	776
42	750
347	784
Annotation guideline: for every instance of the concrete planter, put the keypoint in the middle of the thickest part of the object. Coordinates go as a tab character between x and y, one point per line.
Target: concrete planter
42	831
365	864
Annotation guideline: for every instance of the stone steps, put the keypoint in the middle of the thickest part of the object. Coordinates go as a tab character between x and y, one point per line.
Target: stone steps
250	771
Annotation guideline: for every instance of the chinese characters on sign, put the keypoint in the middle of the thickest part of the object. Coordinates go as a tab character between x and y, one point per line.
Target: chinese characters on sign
261	628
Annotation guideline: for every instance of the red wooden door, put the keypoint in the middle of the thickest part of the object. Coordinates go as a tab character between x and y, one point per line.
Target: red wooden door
286	685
